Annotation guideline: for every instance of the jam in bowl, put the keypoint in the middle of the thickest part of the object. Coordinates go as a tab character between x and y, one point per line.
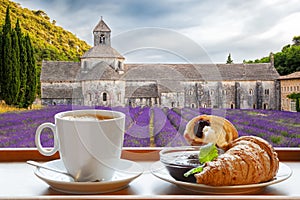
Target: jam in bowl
179	160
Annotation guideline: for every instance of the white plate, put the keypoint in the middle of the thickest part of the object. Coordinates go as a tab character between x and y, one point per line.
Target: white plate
127	171
159	170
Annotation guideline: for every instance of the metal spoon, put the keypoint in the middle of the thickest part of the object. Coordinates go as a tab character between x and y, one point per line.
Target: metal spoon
36	164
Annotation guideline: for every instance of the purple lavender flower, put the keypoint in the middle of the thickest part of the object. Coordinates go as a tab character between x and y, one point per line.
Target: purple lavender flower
280	128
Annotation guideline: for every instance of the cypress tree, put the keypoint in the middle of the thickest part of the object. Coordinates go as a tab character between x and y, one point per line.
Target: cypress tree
1	59
6	29
229	60
17	66
31	74
10	84
298	104
15	84
7	70
23	64
7	24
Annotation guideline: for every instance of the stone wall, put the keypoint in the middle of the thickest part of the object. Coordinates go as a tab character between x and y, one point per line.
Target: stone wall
103	93
231	94
289	86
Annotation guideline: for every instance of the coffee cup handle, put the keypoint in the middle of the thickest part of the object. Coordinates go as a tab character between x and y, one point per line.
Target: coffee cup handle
38	139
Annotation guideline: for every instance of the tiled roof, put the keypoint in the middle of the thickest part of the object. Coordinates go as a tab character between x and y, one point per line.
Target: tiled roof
295	75
62	92
200	72
70	71
143	91
101	26
102	51
59	71
99	71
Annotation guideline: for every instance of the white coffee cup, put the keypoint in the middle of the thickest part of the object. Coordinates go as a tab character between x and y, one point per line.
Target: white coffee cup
88	147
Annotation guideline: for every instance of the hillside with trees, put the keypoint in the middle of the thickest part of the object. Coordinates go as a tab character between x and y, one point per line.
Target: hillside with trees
287	60
18	75
49	42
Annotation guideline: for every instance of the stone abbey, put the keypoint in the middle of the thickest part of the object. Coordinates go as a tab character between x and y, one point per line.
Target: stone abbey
102	78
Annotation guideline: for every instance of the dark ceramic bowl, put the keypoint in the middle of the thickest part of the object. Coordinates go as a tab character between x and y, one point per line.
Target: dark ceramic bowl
179	160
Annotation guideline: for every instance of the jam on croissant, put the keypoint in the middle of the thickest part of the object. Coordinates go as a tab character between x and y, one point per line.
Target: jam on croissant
248	160
205	129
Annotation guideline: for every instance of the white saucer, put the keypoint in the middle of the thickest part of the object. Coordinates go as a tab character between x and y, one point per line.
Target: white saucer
159	170
127	171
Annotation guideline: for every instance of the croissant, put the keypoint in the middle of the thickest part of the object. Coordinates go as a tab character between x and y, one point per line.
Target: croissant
248	160
210	129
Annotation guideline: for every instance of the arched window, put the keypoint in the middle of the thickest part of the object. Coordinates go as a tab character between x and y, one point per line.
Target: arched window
251	91
90	96
129	102
102	39
104	96
120	65
267	91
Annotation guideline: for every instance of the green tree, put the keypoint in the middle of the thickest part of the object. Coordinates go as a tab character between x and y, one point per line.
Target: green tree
7	70
296	97
10	68
292	62
1	68
30	93
287	60
229	60
5	43
23	65
15	84
296	40
18	66
7	24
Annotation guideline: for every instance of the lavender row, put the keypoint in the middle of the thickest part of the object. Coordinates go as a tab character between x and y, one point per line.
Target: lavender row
280	128
174	115
17	129
165	134
137	134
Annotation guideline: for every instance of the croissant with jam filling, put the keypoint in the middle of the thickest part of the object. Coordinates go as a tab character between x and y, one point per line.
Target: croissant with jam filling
210	129
248	160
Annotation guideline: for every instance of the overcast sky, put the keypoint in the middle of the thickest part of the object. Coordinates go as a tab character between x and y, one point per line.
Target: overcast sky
181	30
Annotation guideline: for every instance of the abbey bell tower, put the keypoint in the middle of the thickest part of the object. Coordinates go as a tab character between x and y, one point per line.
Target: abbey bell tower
102	53
101	34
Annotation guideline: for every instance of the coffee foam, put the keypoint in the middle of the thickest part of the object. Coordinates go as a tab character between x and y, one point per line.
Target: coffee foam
81	118
86	117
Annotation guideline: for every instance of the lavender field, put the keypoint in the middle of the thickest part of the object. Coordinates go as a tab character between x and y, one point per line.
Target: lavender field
156	126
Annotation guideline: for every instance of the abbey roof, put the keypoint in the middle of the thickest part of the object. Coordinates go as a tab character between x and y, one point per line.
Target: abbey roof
71	71
101	26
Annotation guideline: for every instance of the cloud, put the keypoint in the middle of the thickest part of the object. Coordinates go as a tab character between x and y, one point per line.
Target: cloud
246	29
163	42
